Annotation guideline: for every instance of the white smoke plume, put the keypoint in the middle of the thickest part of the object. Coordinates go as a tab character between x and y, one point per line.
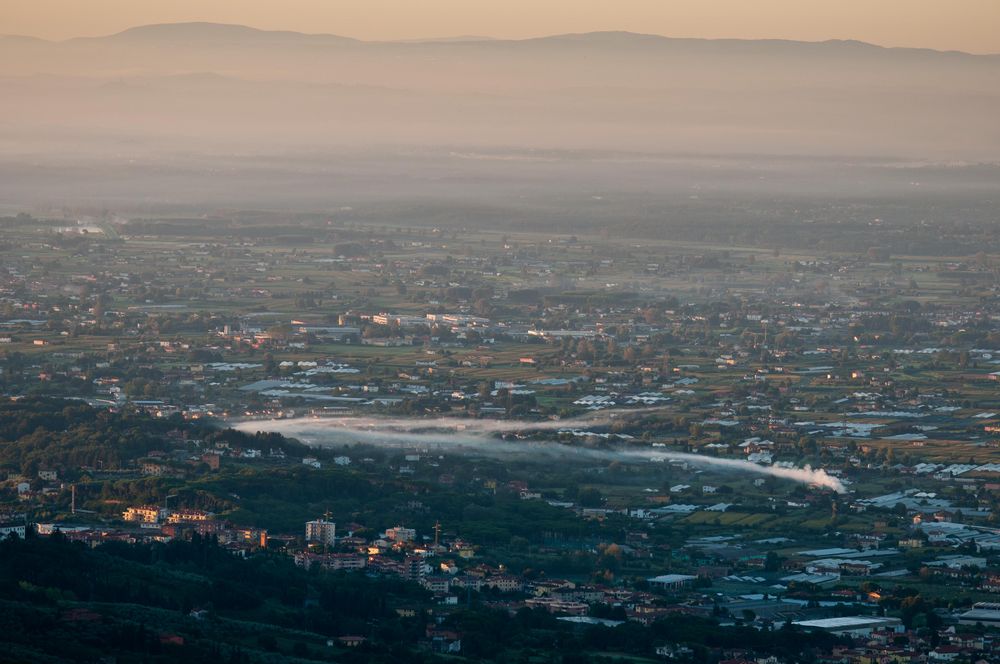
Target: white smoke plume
471	436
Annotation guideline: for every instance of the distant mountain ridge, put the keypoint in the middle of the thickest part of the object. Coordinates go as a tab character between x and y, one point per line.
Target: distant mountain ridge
230	31
196	84
205	30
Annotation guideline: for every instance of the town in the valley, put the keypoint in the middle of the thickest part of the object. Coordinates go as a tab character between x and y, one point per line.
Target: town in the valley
326	438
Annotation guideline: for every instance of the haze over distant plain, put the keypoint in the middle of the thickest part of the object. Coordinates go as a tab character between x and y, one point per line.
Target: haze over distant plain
208	113
203	84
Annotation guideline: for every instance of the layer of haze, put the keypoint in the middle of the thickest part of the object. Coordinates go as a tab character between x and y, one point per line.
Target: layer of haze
201	85
196	116
966	25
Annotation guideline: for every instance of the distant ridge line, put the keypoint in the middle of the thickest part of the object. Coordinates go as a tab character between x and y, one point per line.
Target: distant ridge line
210	29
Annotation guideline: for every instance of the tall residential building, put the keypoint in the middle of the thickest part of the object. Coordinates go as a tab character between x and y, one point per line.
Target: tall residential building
321	531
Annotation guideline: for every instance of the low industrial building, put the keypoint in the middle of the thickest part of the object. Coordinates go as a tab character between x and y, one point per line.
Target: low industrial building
852	625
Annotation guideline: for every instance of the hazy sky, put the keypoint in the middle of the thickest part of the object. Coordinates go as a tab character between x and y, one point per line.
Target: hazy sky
969	25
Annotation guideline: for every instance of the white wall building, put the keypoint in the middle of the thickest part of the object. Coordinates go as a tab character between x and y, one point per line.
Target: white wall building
321	531
401	534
